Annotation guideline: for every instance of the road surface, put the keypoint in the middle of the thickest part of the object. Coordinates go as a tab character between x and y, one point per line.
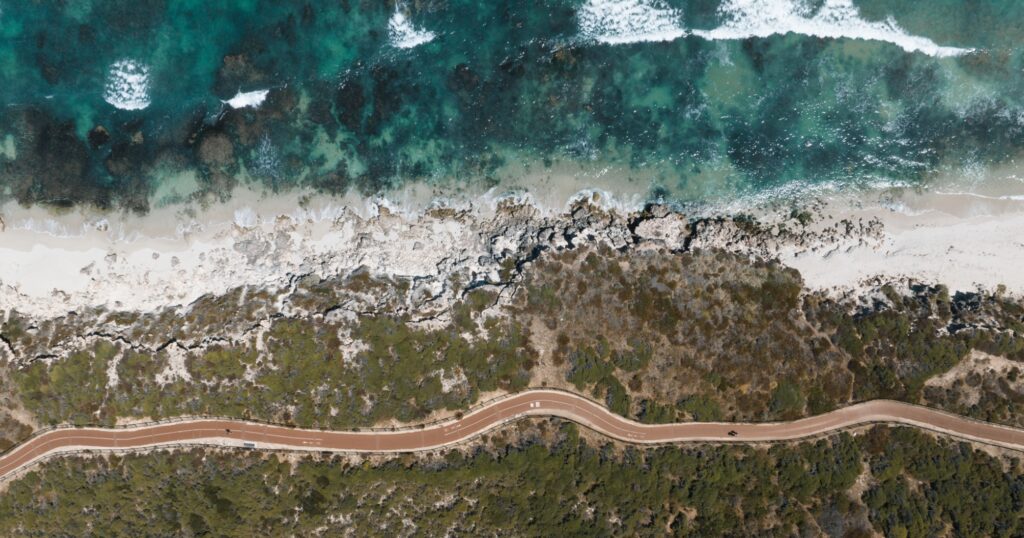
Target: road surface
539	402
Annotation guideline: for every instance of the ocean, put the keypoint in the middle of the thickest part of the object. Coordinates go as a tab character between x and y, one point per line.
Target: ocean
135	105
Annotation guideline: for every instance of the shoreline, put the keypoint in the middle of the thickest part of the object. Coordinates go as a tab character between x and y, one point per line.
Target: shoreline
965	240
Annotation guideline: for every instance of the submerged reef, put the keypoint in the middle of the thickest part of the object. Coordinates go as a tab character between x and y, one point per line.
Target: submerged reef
498	92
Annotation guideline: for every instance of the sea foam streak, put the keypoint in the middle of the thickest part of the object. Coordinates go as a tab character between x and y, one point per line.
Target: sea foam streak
127	85
629	21
403	35
834	19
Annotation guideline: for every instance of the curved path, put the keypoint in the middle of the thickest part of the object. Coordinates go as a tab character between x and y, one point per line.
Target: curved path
530	403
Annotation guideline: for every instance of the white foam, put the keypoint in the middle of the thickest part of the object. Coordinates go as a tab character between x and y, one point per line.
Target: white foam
246	217
403	35
247	99
1005	197
127	85
607	200
834	19
629	21
62	230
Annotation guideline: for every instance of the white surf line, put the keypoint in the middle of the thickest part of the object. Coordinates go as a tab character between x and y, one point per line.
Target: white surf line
833	19
616	22
251	99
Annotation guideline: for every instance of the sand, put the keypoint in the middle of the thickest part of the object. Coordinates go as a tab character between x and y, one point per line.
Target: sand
56	263
965	241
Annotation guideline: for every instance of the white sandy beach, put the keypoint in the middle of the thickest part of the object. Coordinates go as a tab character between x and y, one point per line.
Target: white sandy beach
58	263
53	264
965	241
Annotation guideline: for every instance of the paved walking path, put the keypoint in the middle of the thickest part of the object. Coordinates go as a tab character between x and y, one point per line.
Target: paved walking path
540	402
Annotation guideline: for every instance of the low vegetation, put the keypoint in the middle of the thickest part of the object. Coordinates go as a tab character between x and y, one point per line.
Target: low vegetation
709	336
898	482
303	377
657	336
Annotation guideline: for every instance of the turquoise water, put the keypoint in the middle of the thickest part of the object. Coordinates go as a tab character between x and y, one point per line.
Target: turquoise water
694	97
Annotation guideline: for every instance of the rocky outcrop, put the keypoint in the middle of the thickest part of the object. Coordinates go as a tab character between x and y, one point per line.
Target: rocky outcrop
244	274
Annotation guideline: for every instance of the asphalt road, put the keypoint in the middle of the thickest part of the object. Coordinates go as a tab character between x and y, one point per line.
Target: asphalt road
533	403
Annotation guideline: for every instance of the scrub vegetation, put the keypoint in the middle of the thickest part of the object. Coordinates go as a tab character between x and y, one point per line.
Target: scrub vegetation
663	337
657	336
898	482
301	377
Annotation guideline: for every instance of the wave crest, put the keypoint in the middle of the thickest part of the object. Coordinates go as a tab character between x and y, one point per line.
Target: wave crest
629	21
127	85
834	19
403	35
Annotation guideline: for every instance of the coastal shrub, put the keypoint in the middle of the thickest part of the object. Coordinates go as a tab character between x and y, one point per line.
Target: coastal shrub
714	335
70	390
651	412
577	489
676	320
615	396
303	377
701	407
788	400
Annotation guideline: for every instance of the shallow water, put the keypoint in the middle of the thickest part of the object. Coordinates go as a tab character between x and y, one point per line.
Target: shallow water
130	104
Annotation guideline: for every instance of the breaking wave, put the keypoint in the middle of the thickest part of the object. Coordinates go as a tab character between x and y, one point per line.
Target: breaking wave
127	85
632	21
248	99
834	19
629	21
403	35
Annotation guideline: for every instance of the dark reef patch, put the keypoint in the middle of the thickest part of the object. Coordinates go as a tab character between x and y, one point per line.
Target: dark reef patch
501	84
